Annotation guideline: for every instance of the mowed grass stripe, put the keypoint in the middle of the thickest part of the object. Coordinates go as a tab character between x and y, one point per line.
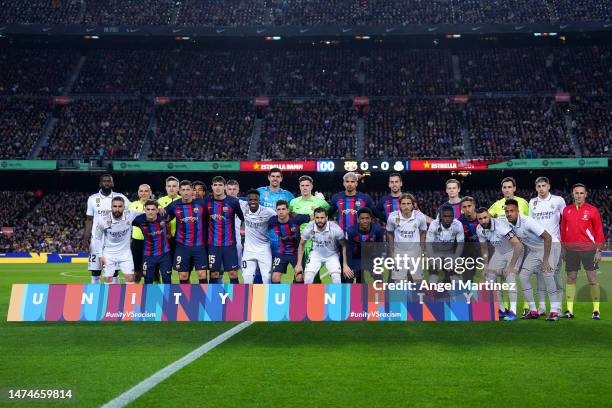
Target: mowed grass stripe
97	360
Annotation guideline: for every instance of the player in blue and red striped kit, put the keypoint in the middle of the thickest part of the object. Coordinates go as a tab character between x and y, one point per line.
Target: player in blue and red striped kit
471	249
191	221
156	253
390	202
453	188
348	202
222	252
287	231
364	231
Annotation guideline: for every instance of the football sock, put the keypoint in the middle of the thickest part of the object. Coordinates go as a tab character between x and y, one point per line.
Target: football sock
570	293
595	296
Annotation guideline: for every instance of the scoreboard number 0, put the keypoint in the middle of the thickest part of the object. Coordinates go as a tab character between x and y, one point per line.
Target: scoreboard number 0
384	166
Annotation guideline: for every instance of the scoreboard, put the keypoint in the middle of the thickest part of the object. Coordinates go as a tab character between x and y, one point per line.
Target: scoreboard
390	165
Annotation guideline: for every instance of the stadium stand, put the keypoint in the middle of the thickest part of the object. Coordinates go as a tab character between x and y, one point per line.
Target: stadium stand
413	128
99	128
21	120
35	71
125	72
238	13
592	125
517	127
299	130
203	130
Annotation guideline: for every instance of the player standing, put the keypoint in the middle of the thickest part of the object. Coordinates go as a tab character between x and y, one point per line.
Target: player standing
406	232
547	209
390	202
112	235
257	252
156	251
327	238
172	190
306	204
232	189
445	239
508	188
99	205
582	237
137	245
508	250
357	235
191	221
348	202
471	249
199	189
541	258
287	230
222	252
453	188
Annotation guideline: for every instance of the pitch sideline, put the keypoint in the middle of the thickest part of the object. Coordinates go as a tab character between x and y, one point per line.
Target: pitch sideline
150	382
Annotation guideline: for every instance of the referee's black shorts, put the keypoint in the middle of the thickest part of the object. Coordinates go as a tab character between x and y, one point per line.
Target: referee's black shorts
573	259
137	247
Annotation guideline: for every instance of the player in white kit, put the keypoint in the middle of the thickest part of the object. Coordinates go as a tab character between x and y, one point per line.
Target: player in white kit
547	209
327	239
541	258
112	234
508	250
99	205
406	233
445	239
257	252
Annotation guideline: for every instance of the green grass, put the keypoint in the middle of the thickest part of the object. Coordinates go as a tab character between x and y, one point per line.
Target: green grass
523	363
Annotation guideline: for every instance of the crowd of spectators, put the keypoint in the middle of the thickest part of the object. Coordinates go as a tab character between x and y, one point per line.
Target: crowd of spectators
55	225
125	71
35	71
13	204
41	11
99	128
518	128
226	74
584	69
427	128
308	129
314	72
592	125
391	72
238	13
21	121
203	130
527	69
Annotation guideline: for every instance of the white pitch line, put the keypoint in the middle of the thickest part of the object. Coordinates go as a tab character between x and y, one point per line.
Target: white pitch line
66	274
148	383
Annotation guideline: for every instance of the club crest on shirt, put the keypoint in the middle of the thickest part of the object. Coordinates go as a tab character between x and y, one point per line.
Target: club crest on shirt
224	209
162	223
358	203
292	229
109	223
585	216
196	210
397	220
98	200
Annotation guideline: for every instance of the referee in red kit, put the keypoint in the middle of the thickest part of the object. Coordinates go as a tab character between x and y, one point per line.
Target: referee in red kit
582	237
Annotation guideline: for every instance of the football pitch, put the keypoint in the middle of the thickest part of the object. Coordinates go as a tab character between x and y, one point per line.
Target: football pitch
521	363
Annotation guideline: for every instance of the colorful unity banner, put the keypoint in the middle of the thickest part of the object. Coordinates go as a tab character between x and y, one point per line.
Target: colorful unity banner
216	302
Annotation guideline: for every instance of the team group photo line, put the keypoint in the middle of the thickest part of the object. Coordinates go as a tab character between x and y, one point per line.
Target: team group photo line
268	233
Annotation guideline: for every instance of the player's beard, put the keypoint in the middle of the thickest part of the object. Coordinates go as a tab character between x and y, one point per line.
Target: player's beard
487	226
321	225
117	214
106	190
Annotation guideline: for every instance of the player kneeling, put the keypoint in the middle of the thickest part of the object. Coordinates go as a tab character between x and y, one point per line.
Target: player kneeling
327	238
156	254
508	250
112	234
